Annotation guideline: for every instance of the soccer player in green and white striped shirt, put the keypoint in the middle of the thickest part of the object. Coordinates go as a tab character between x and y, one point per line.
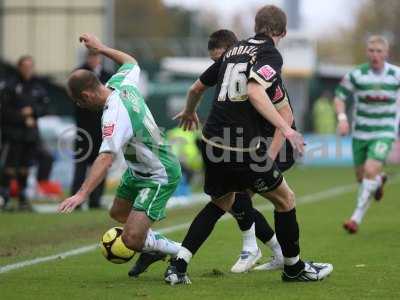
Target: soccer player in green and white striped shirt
153	171
374	87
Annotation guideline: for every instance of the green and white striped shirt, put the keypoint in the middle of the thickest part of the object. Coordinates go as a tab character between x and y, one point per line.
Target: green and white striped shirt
375	96
128	125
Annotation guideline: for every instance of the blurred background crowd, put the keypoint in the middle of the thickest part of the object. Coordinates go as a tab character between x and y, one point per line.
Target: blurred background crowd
47	144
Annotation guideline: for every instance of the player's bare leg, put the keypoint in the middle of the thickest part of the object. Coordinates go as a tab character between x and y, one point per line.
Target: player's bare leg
287	232
135	230
138	236
372	181
120	210
225	202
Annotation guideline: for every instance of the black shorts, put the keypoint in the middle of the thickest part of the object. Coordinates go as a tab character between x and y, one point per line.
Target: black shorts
17	155
231	171
285	159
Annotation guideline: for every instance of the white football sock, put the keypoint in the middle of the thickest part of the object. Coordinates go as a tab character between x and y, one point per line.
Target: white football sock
366	189
378	179
157	242
291	261
250	240
184	254
275	247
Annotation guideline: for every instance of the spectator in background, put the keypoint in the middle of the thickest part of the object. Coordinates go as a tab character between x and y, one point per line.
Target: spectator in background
324	114
89	122
184	146
24	100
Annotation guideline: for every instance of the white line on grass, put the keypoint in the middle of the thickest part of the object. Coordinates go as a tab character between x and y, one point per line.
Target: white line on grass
40	260
74	252
316	197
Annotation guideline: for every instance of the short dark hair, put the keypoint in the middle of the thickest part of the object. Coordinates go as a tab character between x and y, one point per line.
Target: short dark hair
82	80
221	39
23	58
270	20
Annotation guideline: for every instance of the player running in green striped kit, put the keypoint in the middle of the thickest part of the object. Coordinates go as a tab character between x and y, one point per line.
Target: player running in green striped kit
153	172
374	87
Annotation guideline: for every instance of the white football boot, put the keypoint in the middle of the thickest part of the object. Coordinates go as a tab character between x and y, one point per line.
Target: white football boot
275	263
246	261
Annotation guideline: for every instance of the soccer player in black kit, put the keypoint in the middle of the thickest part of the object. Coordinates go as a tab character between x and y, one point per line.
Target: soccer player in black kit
248	78
250	220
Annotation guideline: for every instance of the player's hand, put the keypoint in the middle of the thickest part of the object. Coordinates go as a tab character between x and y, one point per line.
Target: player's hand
69	204
343	127
187	121
91	42
296	139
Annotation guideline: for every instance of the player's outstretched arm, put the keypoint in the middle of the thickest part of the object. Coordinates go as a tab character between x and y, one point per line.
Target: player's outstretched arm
94	44
194	96
343	123
96	175
188	119
263	104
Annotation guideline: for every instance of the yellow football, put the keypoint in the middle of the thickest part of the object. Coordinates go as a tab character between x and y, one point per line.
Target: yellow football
112	247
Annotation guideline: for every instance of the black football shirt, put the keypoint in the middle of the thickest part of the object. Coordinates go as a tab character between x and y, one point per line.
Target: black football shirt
233	122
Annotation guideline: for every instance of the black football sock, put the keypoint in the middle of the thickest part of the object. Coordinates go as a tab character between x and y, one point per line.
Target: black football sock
242	211
5	180
264	232
199	231
287	233
22	179
45	166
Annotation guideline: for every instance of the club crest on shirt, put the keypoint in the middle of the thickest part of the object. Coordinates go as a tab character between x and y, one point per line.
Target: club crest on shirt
278	94
108	130
267	72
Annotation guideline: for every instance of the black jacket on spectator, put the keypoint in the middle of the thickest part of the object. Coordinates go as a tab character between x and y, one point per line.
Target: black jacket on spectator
17	93
90	122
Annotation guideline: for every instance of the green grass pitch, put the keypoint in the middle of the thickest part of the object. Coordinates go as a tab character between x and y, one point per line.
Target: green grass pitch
366	265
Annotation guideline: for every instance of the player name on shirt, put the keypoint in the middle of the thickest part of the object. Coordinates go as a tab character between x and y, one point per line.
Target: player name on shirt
241	50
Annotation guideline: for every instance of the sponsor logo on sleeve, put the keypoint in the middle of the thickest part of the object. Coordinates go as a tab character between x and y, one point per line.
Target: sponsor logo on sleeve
108	130
267	72
278	94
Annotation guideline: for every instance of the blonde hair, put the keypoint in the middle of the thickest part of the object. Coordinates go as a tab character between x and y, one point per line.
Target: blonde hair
378	39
